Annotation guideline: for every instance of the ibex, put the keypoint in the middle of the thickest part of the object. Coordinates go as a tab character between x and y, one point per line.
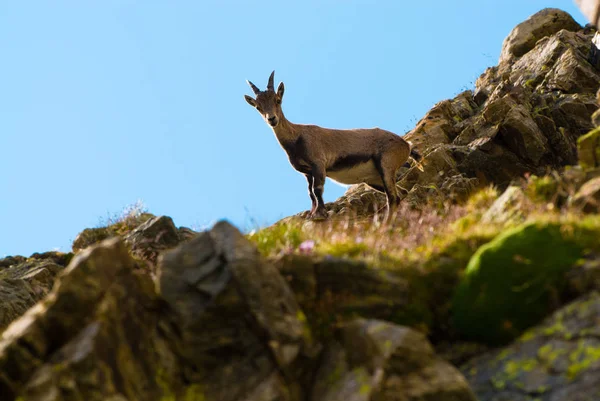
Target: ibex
353	156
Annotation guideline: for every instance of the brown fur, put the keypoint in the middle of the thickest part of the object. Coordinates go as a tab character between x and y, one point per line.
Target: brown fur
371	156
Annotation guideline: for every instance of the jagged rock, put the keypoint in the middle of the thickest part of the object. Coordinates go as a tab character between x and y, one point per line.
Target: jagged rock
66	338
59	258
589	149
123	226
524	117
226	328
525	35
558	360
22	285
376	360
522	135
239	321
572	73
11	261
588	196
151	238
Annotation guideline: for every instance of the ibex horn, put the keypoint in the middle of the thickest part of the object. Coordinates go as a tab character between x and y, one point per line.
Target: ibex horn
254	88
270	85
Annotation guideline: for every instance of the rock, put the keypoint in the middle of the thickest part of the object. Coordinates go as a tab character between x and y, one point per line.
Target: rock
90	236
22	285
64	338
225	326
120	227
589	149
524	266
152	237
507	208
11	261
522	135
239	321
59	258
332	290
572	73
377	360
558	360
525	35
588	196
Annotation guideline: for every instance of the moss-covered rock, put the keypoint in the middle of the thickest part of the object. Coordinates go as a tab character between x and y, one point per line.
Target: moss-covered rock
558	360
514	281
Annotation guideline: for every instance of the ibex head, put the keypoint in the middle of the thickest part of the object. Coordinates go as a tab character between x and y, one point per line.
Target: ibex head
268	103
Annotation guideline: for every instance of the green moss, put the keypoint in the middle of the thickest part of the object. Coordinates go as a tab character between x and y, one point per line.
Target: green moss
278	237
194	392
582	358
344	249
530	83
542	189
509	283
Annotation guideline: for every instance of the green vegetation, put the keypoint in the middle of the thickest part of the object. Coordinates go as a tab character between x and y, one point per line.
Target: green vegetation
514	281
467	277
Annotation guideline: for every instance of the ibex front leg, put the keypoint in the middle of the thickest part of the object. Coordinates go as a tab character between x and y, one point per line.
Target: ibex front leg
313	198
318	174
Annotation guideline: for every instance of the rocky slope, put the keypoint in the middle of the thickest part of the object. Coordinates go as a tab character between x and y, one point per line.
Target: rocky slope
484	286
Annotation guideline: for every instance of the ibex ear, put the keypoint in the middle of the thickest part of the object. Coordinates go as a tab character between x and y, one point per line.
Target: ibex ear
250	101
280	90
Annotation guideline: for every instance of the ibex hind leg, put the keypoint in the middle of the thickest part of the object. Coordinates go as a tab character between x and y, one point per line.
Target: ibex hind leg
387	165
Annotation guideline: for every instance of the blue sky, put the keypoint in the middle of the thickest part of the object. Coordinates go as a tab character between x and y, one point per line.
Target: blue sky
108	102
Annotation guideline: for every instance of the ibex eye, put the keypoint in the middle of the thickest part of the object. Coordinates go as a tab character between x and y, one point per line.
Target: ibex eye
278	101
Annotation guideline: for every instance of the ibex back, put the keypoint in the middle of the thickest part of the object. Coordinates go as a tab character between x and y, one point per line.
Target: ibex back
371	156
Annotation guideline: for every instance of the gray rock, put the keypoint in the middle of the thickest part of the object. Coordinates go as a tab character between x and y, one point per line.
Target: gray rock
558	360
376	360
525	35
22	285
238	319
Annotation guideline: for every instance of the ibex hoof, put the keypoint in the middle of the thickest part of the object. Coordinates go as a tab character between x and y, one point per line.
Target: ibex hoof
319	214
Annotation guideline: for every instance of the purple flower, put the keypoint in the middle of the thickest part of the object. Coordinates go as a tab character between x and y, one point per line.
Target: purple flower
307	246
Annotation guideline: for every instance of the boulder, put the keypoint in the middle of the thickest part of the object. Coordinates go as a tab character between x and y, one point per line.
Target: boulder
588	196
507	208
376	360
65	338
22	285
557	360
242	331
525	35
152	237
225	327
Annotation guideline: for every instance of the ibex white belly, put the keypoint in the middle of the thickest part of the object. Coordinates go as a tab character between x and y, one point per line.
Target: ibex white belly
363	172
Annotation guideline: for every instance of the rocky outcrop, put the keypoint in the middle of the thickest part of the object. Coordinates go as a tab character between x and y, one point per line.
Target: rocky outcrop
524	36
524	117
559	360
219	323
